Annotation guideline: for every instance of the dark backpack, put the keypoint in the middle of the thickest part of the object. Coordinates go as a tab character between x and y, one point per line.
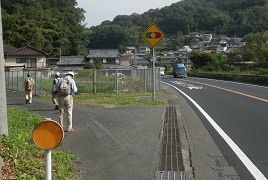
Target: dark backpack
65	88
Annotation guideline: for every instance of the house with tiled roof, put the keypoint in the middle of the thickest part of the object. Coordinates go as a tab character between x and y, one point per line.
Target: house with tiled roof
27	57
166	58
139	61
106	56
71	63
144	49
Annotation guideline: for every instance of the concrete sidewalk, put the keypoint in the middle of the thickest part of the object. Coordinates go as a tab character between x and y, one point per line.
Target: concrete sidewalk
124	143
117	143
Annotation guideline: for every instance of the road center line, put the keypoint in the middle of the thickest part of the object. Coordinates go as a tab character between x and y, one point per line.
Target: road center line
256	173
236	92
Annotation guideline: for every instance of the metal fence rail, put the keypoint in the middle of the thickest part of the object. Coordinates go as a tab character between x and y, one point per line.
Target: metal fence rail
90	81
15	80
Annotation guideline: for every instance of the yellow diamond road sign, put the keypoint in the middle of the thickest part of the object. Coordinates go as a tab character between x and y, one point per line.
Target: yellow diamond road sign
153	35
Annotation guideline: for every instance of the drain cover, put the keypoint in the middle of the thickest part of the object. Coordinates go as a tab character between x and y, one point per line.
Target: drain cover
171	163
171	175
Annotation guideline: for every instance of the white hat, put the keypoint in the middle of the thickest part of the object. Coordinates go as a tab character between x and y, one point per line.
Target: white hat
70	73
57	74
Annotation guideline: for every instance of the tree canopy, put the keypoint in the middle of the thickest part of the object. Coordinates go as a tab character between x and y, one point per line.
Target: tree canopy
45	24
53	24
229	17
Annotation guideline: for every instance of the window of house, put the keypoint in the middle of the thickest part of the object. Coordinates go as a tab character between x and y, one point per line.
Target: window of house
110	61
31	62
21	60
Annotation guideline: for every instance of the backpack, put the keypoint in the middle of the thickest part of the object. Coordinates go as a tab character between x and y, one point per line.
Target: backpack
65	88
29	85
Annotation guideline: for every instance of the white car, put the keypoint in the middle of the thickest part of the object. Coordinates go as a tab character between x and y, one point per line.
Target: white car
162	72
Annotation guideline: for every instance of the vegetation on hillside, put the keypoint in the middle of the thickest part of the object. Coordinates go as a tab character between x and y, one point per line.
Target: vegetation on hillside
54	24
47	25
232	18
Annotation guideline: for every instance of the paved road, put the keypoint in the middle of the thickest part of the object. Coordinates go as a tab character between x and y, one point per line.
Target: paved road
237	122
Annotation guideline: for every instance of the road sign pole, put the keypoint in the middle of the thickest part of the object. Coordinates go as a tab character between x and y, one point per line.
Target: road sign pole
48	165
153	35
153	74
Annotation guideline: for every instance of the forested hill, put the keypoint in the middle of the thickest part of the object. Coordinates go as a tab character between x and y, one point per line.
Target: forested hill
218	16
53	24
230	17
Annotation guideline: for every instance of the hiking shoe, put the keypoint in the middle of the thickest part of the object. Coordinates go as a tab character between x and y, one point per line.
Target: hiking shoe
56	107
70	130
27	101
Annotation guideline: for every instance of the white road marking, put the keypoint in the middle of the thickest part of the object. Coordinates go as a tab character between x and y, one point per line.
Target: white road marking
256	173
186	85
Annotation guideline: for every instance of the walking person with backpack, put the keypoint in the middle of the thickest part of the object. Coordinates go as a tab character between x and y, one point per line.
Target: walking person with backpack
55	91
29	84
67	87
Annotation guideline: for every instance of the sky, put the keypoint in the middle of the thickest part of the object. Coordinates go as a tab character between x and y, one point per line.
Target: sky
98	11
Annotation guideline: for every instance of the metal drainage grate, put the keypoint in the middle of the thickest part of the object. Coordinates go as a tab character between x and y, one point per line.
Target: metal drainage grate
171	164
171	175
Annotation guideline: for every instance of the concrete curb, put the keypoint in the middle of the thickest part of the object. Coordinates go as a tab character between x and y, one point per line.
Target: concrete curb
185	149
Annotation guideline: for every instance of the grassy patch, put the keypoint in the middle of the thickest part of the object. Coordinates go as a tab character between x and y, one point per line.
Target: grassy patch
124	99
22	158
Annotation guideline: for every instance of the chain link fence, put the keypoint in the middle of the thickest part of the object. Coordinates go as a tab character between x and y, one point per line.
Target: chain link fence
91	81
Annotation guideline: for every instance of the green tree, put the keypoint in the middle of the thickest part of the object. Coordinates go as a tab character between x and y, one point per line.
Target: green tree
209	62
108	37
47	25
256	48
235	56
96	65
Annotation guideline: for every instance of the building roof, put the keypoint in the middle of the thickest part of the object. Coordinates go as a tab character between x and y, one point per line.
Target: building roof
72	60
103	53
171	57
131	48
26	51
8	48
185	49
234	41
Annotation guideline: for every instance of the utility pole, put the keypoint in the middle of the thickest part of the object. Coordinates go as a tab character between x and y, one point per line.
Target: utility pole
3	102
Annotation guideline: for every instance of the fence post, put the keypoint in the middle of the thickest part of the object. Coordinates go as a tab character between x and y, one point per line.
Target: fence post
145	79
17	80
94	82
12	80
116	81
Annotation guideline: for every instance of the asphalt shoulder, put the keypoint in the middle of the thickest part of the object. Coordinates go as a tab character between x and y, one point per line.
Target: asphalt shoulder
201	155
